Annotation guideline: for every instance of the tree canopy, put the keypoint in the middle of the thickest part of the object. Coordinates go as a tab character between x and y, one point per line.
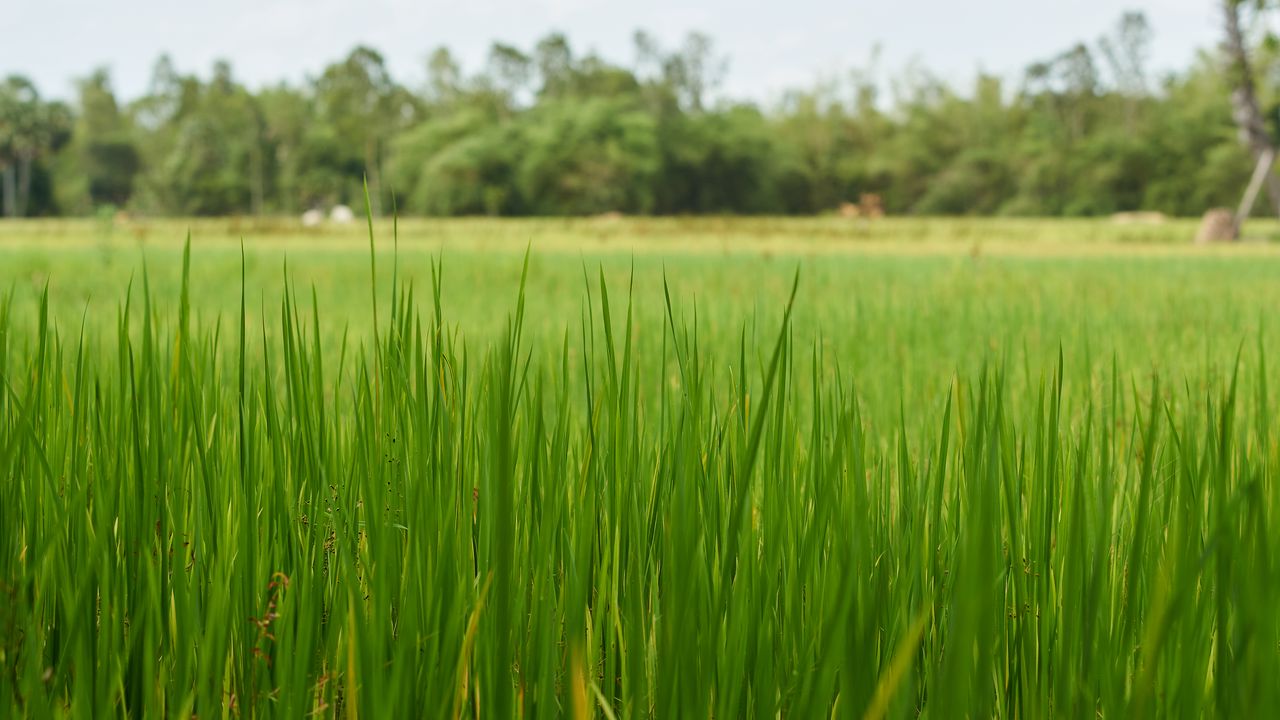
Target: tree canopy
549	130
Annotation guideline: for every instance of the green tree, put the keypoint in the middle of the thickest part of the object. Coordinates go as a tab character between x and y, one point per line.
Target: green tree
208	156
103	160
462	163
595	155
365	108
30	130
549	130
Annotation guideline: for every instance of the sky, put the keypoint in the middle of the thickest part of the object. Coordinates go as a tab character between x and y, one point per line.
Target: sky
771	46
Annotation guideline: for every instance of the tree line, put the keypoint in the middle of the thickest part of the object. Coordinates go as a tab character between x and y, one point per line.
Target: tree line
548	130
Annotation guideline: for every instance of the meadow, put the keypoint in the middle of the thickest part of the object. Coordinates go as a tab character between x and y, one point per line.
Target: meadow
637	468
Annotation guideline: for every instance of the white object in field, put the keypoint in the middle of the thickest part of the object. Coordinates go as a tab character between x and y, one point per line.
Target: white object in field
312	218
342	215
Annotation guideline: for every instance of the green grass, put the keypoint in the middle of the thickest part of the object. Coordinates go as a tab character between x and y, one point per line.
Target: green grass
637	484
902	305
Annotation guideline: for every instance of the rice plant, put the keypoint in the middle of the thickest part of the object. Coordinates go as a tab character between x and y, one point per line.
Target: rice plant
199	522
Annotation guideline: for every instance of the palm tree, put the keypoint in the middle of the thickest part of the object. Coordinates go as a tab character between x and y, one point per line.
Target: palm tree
29	129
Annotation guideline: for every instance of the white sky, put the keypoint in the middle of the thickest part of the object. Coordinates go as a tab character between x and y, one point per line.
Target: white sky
771	46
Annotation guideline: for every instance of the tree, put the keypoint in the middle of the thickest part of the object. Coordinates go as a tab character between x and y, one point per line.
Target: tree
1126	51
689	74
509	72
548	130
554	60
695	71
584	157
29	130
1244	107
444	77
208	156
365	107
108	159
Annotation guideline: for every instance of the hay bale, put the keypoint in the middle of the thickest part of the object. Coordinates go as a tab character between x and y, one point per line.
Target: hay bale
849	210
312	218
341	215
871	205
1217	225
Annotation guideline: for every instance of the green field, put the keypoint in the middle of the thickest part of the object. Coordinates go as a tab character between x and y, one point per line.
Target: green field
983	468
900	305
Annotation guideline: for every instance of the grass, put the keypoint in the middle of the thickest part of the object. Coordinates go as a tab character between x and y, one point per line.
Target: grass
1004	486
902	314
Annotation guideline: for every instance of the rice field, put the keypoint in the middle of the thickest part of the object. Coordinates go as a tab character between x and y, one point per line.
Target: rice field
637	468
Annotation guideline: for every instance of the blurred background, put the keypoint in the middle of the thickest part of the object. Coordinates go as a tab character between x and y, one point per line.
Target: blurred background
573	107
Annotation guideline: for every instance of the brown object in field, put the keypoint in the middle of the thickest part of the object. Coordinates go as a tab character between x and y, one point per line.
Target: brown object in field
610	216
871	205
850	211
125	220
1217	225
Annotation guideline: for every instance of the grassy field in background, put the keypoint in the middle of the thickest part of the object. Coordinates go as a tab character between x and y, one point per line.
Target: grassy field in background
901	305
631	468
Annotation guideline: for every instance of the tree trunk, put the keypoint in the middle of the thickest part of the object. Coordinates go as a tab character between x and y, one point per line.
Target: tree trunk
1261	171
24	184
1244	100
259	183
9	189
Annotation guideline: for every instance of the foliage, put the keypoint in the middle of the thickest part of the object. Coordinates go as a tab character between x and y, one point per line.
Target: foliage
548	131
30	130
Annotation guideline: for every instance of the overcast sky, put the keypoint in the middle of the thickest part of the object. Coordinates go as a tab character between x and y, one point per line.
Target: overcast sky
771	45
